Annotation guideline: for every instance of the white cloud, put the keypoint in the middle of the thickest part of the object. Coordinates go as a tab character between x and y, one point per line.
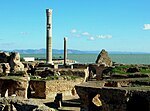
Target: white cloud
104	36
73	31
91	38
146	26
85	34
24	33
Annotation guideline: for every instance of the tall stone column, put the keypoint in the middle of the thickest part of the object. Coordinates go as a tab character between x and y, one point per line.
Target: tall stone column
65	51
49	37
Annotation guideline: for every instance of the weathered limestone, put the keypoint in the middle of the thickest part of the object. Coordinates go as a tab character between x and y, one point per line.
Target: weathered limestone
15	63
10	62
45	72
49	37
4	68
103	58
21	104
14	86
4	57
96	71
113	97
49	89
1	68
37	89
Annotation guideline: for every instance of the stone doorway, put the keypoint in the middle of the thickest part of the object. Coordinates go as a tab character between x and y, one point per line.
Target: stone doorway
137	103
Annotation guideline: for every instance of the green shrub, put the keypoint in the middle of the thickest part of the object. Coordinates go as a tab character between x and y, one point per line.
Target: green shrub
123	69
144	71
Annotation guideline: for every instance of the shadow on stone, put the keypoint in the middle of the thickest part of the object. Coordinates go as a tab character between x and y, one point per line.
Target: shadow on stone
67	105
137	103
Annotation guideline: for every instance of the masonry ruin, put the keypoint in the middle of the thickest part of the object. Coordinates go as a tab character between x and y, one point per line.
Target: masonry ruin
97	87
114	96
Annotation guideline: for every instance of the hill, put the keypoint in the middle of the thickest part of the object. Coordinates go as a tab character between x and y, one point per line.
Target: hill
55	51
70	51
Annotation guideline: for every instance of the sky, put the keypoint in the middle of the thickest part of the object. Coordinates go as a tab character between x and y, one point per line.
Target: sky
114	25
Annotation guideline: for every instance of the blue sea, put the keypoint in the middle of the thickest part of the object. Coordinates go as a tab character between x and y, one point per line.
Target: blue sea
91	58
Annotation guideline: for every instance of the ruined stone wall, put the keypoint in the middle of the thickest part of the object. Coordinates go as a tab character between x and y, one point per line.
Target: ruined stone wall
13	62
48	89
113	98
84	73
66	87
65	71
14	86
21	104
37	89
80	66
97	70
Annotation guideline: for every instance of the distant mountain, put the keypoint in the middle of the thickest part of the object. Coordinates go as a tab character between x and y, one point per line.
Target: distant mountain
70	51
55	51
31	51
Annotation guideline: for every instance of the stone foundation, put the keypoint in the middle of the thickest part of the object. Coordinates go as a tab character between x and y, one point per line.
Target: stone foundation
49	89
113	98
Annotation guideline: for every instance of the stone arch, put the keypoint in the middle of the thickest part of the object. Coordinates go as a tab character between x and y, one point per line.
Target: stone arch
95	103
137	103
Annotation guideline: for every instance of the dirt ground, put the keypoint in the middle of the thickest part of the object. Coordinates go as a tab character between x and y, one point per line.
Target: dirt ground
69	103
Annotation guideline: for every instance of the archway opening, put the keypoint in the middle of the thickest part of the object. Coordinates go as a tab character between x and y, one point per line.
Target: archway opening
137	103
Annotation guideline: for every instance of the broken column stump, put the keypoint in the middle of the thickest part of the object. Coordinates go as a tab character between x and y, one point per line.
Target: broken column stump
58	100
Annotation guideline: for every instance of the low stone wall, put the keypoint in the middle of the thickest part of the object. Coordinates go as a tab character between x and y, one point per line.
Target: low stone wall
43	72
66	87
67	79
48	89
80	66
84	73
